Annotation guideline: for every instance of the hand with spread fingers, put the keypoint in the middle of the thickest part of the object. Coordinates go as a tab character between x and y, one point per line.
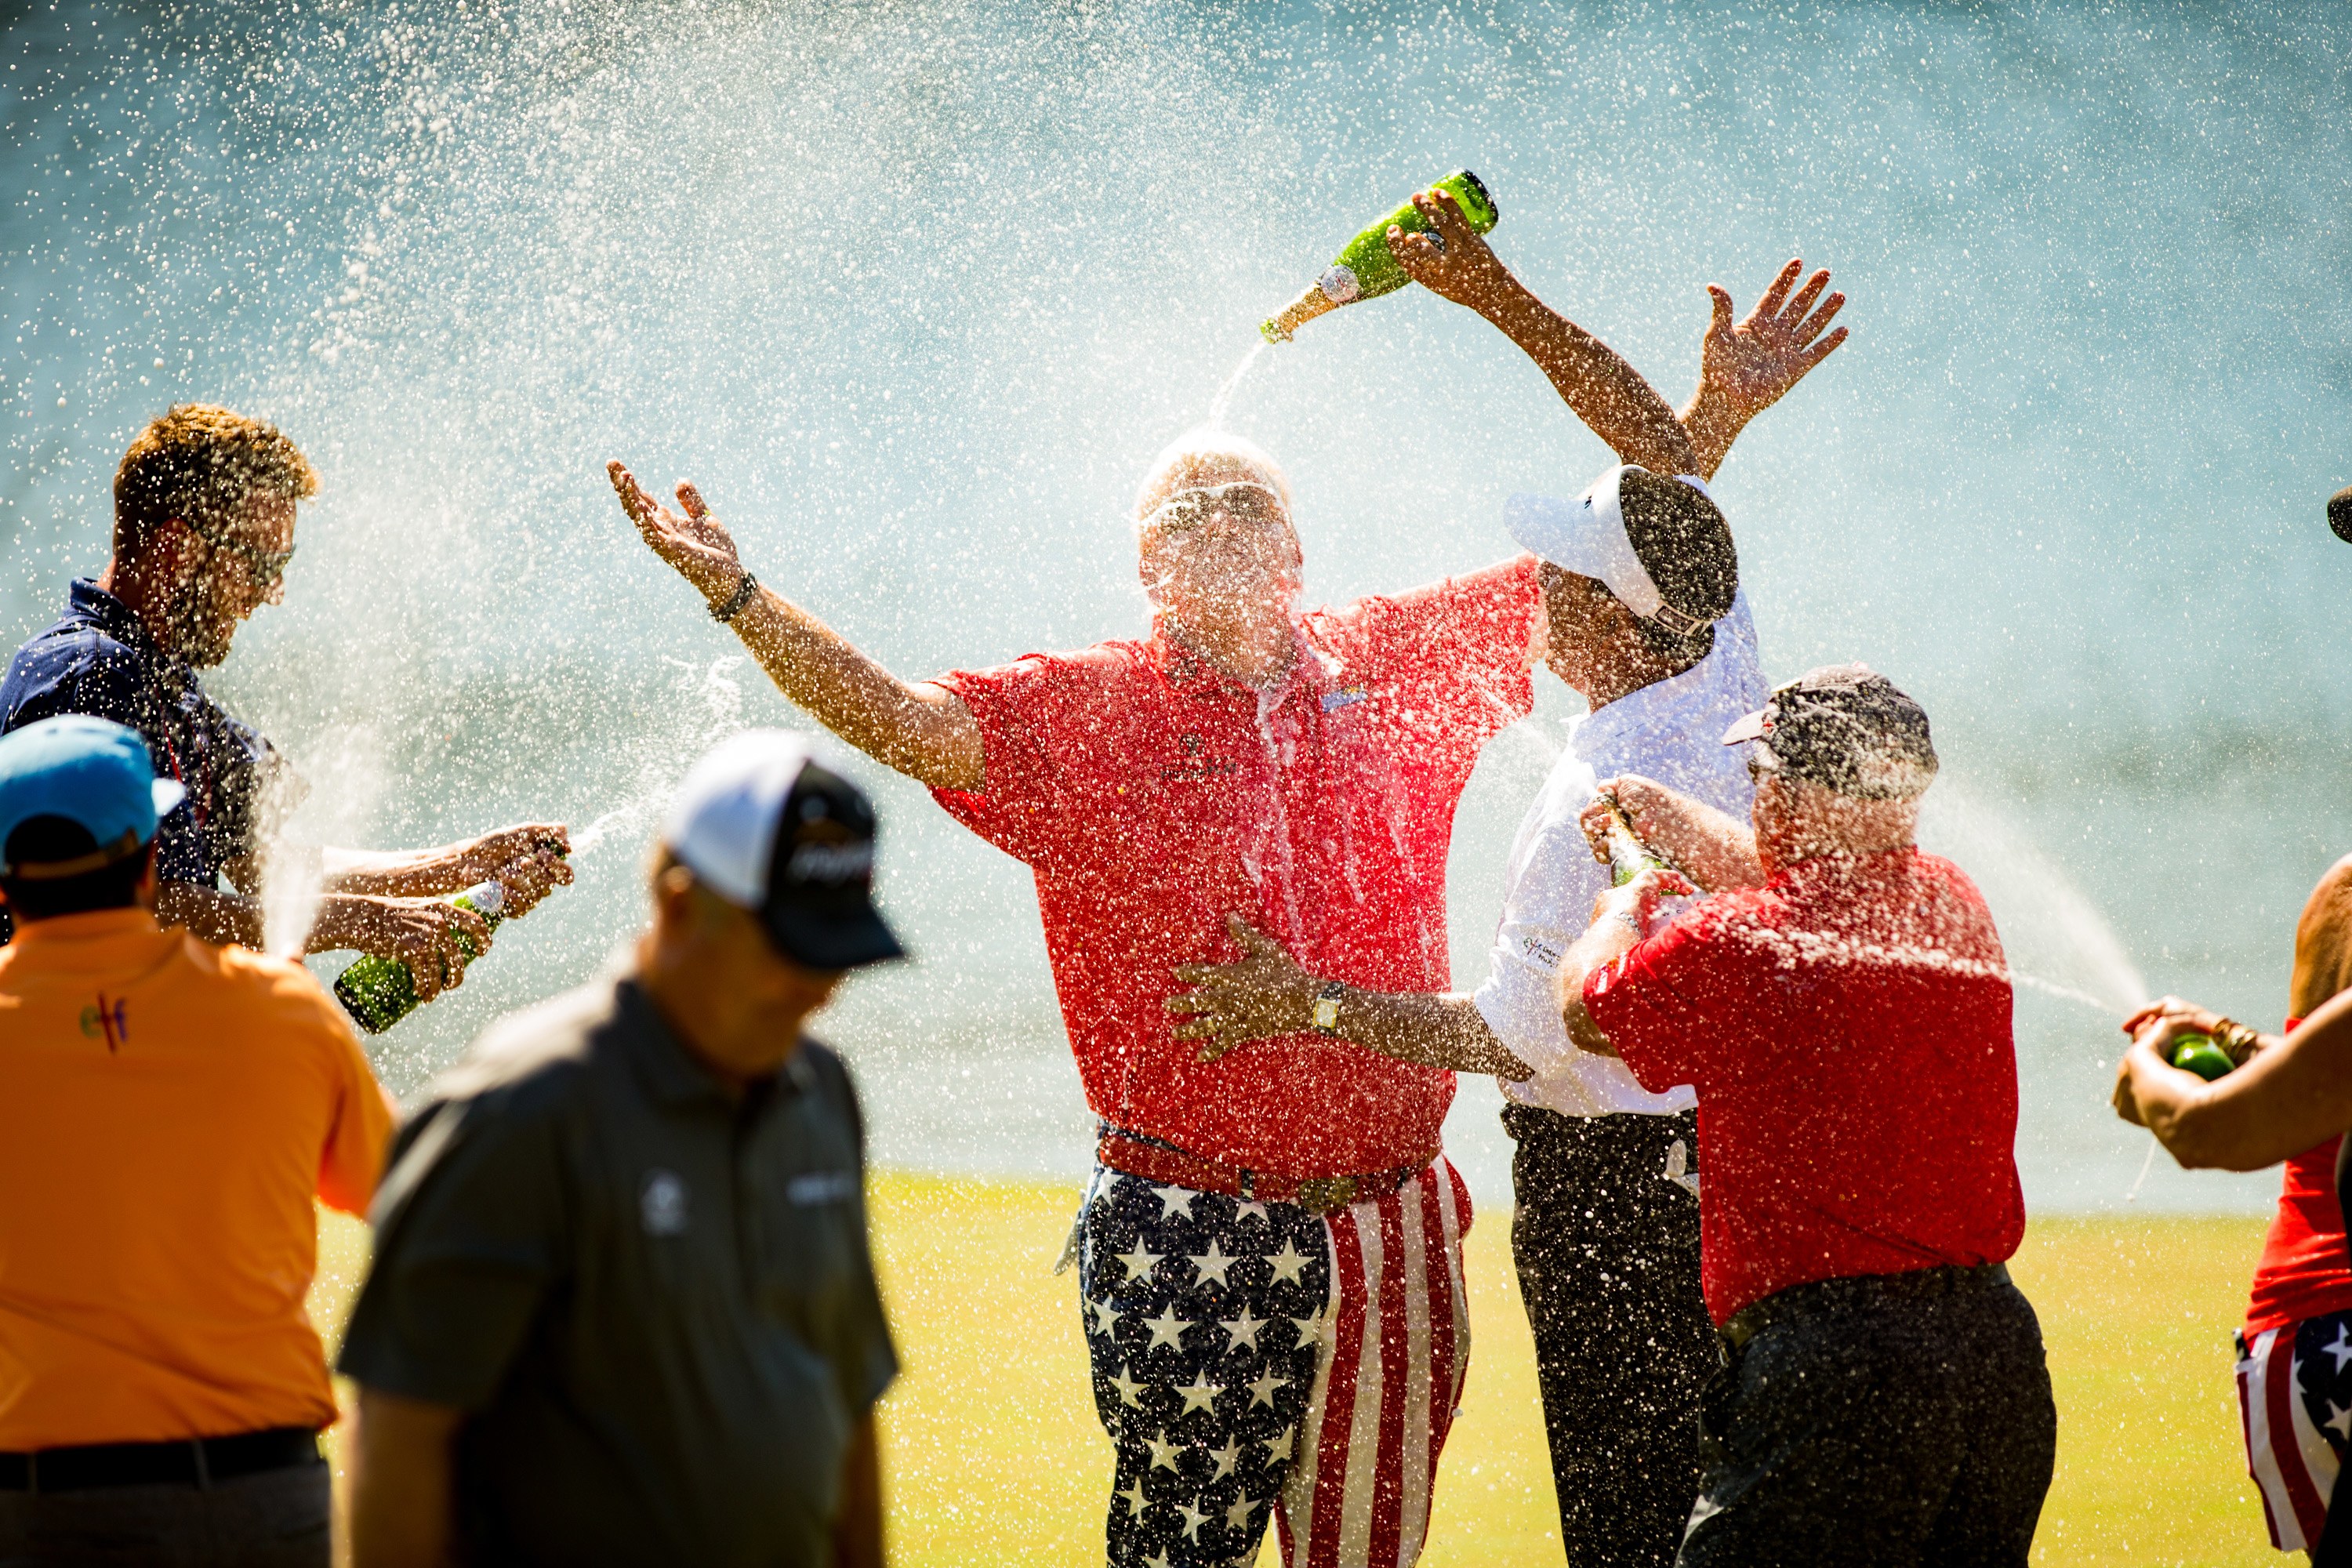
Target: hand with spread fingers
691	539
1265	994
1751	363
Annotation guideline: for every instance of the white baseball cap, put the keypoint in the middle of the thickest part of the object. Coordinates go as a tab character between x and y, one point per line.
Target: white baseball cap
1587	536
764	824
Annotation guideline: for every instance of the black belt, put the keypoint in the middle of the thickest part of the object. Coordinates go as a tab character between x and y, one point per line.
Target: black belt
189	1462
1857	1291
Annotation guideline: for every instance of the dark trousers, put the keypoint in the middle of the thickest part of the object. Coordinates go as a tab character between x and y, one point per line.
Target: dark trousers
1607	1248
277	1519
1866	1427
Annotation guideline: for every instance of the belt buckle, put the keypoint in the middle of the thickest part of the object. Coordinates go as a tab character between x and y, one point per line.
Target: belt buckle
1327	1194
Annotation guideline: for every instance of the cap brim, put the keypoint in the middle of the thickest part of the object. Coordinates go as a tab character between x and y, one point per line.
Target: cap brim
1567	534
1751	728
168	793
846	939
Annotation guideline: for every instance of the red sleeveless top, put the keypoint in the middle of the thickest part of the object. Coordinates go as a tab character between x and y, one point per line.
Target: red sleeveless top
2305	1272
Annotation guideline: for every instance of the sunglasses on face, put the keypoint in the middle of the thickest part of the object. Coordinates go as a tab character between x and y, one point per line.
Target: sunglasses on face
1243	501
267	566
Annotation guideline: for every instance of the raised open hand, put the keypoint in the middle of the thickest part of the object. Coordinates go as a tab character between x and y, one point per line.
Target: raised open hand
691	539
1751	363
1454	262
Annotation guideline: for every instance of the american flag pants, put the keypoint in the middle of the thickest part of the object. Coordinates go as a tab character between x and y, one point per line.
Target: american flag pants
2294	1404
1257	1359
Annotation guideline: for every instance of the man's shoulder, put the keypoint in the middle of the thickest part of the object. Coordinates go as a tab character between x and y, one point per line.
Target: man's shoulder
541	1059
274	988
70	663
1108	665
1508	583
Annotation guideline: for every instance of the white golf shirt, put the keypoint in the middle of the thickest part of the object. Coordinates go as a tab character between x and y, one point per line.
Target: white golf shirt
1670	731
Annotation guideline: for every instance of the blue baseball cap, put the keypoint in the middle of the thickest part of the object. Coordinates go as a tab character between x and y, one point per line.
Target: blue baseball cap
88	770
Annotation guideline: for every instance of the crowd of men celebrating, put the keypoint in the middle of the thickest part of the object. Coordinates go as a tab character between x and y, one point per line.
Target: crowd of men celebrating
621	1309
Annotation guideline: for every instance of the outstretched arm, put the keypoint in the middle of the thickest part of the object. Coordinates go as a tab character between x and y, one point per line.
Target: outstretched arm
922	730
1268	994
2294	1093
1745	367
1608	394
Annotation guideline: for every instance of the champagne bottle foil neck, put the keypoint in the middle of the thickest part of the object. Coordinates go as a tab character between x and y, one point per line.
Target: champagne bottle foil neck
486	898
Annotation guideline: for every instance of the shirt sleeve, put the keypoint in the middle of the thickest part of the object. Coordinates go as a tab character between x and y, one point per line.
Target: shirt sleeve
470	1236
1019	805
1643	1003
1460	653
1520	996
352	1161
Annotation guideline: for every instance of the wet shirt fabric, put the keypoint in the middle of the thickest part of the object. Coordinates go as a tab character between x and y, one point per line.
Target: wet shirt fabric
168	1109
653	1297
1847	1027
2305	1270
1670	731
1153	797
100	660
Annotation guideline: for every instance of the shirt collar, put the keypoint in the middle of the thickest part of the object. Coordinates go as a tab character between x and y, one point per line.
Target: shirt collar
669	1070
1187	671
86	601
85	930
93	607
1617	722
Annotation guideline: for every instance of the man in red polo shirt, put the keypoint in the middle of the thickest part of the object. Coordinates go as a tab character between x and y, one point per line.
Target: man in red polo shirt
1270	1263
1841	1006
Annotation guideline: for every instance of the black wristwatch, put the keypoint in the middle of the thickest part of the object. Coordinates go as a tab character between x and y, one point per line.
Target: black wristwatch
1327	1008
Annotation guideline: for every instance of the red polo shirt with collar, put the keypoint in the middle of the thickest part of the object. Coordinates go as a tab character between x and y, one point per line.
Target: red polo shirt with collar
1153	798
1847	1027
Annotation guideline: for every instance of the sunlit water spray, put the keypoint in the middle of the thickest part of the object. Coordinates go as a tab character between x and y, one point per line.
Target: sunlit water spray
1224	398
2044	917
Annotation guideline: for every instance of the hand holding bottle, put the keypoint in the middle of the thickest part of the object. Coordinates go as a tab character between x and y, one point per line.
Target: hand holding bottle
431	938
1453	260
528	860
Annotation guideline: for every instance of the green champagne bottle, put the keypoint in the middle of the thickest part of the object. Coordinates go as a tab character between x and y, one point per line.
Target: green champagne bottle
379	992
1365	269
2202	1055
1628	856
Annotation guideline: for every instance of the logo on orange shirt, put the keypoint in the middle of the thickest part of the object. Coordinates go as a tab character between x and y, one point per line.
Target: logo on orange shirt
108	1020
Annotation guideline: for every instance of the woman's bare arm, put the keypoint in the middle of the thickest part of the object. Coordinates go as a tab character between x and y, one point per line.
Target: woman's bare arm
2294	1093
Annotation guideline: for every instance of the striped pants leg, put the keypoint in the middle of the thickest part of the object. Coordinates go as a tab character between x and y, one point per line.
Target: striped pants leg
2294	1394
1396	1349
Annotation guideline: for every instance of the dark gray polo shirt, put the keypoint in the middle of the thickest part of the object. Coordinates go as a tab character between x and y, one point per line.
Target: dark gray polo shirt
653	1297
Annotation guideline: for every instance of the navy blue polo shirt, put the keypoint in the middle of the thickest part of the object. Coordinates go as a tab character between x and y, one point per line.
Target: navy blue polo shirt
100	660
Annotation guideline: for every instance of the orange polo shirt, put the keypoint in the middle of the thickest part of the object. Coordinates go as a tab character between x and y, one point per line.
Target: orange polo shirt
167	1110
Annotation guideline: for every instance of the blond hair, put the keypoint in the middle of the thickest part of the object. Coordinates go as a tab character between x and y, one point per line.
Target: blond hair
197	461
1206	455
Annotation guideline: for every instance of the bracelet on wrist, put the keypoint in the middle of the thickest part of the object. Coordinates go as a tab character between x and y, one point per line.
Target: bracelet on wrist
745	591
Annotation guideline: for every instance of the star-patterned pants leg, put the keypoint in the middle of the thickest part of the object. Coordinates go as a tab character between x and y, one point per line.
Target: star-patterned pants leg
1204	1318
2294	1396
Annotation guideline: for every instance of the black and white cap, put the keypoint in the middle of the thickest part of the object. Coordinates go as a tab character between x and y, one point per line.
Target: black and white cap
1589	537
763	824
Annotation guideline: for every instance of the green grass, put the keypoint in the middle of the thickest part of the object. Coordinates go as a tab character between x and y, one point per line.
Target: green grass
993	1454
